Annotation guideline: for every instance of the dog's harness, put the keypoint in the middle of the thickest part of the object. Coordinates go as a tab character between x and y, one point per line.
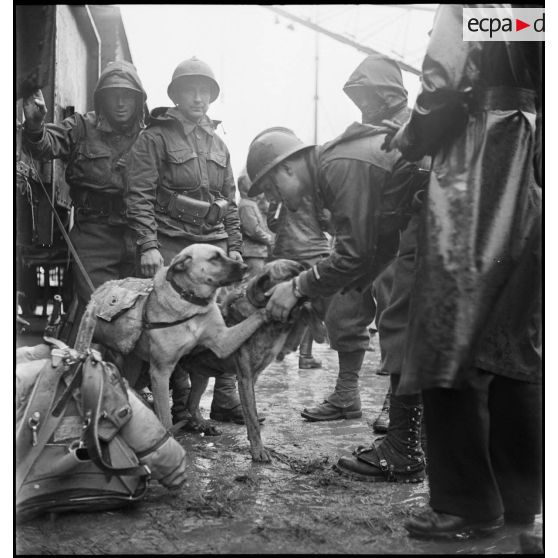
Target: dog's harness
185	295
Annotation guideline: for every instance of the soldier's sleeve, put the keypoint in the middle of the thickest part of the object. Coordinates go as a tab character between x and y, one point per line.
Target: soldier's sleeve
440	106
232	219
54	141
355	209
140	192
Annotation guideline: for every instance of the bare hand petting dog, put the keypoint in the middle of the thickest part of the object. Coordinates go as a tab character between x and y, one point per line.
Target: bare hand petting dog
34	109
282	301
235	255
151	261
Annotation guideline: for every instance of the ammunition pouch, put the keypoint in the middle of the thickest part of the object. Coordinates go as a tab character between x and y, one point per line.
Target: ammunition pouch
189	210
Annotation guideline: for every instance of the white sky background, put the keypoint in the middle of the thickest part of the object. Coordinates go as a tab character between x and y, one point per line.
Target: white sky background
266	70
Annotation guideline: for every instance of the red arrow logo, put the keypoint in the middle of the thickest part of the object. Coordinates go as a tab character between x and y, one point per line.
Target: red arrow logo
519	25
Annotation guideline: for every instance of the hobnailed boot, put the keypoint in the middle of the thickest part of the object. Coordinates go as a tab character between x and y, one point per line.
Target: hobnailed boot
396	457
381	423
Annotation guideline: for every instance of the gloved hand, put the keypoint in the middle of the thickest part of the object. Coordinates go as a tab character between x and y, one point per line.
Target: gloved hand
34	109
150	262
235	255
392	130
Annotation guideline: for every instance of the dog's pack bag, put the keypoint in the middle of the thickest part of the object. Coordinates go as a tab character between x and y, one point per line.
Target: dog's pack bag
84	440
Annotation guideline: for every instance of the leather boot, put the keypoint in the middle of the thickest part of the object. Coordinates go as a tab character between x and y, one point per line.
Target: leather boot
396	457
344	402
180	386
431	524
306	360
381	423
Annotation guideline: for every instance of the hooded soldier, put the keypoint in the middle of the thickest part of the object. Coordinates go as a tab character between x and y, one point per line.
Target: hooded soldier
474	339
369	197
95	147
181	191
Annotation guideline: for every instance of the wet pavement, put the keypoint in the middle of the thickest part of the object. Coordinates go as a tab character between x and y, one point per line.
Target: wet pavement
296	504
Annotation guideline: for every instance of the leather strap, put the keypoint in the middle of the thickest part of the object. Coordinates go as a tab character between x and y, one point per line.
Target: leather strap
92	396
146	324
188	295
156	445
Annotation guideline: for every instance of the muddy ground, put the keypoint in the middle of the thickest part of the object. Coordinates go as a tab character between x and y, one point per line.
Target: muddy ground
296	504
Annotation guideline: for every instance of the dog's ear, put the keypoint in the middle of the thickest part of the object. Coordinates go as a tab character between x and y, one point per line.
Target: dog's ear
256	289
263	283
181	262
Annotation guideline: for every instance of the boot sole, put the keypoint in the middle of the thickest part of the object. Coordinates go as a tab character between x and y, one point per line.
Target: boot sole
404	478
464	533
347	415
226	418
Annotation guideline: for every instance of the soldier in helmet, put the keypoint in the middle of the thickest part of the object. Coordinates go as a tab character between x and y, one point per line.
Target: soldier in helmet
180	191
369	196
95	146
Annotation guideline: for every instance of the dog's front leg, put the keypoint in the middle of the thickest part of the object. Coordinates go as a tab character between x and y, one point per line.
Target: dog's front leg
160	378
248	400
226	340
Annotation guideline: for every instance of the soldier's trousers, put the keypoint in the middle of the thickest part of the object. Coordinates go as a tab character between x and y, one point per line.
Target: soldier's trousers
398	279
106	252
485	447
225	394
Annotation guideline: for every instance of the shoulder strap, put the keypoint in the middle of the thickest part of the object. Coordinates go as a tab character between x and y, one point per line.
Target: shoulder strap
91	394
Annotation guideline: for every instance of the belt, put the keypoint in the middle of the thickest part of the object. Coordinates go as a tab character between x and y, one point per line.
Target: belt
504	98
88	202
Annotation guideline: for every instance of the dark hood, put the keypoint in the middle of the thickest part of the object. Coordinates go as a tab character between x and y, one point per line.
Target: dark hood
379	76
128	73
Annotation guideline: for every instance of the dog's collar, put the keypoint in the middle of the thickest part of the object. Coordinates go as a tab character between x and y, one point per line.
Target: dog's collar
189	296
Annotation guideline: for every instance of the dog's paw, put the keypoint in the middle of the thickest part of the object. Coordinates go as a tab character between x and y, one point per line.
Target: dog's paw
201	426
264	315
210	430
260	455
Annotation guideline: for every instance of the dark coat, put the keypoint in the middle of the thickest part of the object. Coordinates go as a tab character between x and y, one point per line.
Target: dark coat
369	193
95	153
478	298
179	155
299	235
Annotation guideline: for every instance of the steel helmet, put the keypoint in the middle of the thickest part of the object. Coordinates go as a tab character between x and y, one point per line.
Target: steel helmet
267	150
194	67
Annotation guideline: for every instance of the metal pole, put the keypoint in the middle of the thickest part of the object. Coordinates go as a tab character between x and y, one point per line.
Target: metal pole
316	62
